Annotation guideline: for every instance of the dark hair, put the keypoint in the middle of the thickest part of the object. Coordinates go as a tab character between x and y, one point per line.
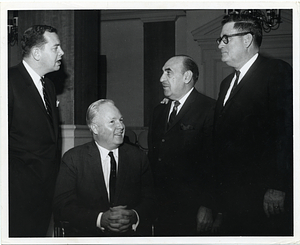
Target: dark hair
190	65
34	37
246	22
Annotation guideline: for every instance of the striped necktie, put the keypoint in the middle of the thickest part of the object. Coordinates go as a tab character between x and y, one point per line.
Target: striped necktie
46	99
173	113
112	178
237	75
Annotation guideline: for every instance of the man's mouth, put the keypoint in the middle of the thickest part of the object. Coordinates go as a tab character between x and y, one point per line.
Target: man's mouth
119	134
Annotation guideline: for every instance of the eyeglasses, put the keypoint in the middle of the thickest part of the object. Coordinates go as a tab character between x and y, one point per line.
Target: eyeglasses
225	39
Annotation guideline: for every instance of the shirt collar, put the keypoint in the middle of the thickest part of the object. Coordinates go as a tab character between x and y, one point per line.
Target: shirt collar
35	77
247	66
183	99
104	152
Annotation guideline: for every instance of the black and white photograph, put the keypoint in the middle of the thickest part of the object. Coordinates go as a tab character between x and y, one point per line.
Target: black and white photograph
149	122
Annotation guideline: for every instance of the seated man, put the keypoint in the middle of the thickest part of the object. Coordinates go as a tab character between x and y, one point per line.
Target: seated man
100	199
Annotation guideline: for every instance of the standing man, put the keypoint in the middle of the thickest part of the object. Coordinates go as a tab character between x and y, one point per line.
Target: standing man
105	187
33	133
253	134
179	151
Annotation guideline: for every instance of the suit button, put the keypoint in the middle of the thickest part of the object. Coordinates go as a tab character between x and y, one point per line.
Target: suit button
159	159
163	140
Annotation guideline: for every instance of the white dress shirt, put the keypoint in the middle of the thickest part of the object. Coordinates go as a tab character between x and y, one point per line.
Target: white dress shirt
36	79
181	101
243	71
105	161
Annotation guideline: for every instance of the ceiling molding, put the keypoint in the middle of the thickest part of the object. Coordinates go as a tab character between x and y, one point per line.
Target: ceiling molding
143	15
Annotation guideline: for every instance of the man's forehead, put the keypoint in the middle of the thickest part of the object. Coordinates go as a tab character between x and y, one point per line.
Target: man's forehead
51	37
172	63
228	28
109	110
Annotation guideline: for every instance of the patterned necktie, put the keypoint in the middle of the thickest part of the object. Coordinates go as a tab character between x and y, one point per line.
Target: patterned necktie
237	75
46	99
173	113
112	178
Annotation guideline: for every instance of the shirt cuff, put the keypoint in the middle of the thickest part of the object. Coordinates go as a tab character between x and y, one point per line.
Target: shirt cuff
98	224
134	226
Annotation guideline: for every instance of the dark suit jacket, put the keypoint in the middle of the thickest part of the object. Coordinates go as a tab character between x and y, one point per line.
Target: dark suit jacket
81	194
33	153
179	157
253	136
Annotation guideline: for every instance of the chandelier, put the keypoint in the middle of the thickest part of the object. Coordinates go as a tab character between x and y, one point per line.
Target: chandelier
270	18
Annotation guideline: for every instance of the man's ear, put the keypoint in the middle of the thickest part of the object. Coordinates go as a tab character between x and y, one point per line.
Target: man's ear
248	39
36	53
94	129
188	75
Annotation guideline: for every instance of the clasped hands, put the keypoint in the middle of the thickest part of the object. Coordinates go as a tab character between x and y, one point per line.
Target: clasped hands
118	219
273	202
205	220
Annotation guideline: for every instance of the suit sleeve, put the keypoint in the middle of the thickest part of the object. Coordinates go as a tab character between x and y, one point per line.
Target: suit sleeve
206	170
67	206
281	130
147	205
150	137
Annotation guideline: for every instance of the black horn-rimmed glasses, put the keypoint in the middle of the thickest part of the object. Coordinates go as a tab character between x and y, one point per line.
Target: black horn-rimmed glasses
225	39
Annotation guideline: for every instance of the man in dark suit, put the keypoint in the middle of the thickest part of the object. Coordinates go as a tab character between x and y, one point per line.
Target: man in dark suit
253	134
179	152
87	194
33	133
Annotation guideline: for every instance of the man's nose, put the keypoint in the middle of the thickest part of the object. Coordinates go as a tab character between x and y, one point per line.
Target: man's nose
221	44
162	78
61	52
120	124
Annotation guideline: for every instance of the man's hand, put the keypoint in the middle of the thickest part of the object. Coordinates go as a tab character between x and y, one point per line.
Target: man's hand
273	202
217	223
204	219
165	101
118	219
122	218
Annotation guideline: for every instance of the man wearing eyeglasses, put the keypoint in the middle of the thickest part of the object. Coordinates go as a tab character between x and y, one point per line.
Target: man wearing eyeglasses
253	131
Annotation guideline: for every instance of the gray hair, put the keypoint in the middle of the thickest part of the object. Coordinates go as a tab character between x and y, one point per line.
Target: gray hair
94	109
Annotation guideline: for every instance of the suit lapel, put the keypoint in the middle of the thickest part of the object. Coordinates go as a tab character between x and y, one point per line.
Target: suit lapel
32	92
222	94
161	118
94	163
246	78
122	171
31	88
52	100
185	108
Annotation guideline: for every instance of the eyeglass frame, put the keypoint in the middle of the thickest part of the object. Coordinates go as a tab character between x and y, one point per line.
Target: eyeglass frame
221	39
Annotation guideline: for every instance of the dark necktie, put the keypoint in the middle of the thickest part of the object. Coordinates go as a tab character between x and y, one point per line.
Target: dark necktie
112	178
173	113
46	99
237	75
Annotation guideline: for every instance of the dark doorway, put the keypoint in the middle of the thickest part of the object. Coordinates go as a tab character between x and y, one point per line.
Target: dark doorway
159	46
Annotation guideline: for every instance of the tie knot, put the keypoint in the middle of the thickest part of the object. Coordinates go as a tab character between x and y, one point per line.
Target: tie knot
176	103
111	154
237	73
